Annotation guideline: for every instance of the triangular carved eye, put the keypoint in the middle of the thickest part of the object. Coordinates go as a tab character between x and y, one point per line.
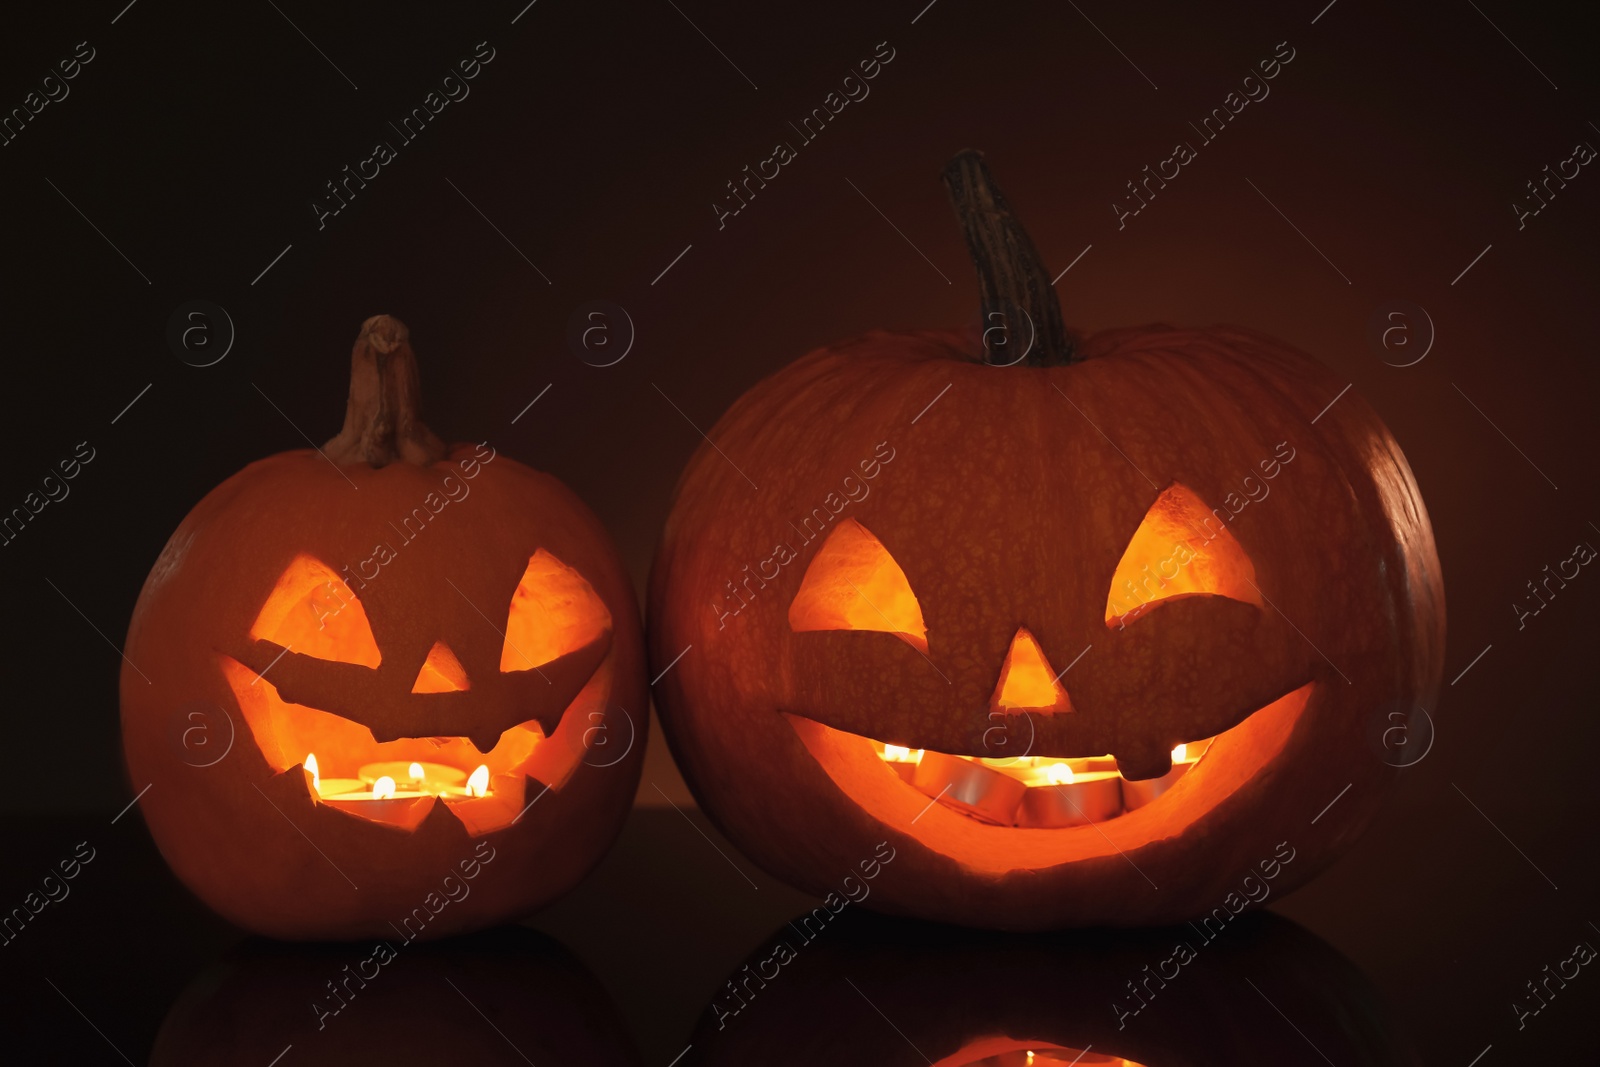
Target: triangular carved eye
553	612
854	584
1182	548
312	611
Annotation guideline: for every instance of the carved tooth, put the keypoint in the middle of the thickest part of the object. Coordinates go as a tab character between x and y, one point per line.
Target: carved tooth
1144	760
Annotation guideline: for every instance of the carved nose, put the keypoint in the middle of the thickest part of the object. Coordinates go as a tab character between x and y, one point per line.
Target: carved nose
441	672
1027	681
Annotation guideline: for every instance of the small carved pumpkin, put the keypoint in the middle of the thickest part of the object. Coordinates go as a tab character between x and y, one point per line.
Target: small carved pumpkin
359	669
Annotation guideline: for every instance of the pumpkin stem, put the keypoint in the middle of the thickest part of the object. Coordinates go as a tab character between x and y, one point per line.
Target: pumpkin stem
1011	276
381	423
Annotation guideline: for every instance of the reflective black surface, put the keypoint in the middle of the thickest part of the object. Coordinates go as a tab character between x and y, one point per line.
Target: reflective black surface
502	996
640	960
870	991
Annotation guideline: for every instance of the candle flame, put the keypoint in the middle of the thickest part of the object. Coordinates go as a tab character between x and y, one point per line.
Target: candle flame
311	765
1058	774
896	752
415	770
1179	753
383	788
478	781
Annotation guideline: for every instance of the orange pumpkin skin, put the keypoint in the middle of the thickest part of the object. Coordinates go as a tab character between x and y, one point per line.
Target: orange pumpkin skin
237	821
1007	503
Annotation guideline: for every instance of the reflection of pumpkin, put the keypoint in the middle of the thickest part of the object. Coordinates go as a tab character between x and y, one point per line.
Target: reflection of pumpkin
393	703
508	996
1220	554
907	994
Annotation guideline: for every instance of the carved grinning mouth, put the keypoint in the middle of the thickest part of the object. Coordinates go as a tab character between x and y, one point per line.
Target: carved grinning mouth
1043	792
1002	814
349	761
1035	791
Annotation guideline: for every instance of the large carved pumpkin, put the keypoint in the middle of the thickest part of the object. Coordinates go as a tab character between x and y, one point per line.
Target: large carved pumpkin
358	671
975	609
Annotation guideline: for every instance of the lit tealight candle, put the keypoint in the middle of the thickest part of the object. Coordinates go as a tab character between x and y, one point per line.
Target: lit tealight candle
385	789
1053	772
1059	796
1136	795
385	799
329	786
904	760
476	785
432	778
970	787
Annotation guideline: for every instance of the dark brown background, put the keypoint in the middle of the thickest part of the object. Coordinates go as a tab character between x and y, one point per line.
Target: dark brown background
596	141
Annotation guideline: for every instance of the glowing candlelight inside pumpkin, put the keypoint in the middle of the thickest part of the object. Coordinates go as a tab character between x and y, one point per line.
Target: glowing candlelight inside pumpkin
384	797
433	779
1137	794
969	786
400	780
1059	796
1004	1052
417	773
381	794
1058	774
321	786
904	760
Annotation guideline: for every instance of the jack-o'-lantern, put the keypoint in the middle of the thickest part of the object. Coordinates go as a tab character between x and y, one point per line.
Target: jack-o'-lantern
360	670
898	993
1083	634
